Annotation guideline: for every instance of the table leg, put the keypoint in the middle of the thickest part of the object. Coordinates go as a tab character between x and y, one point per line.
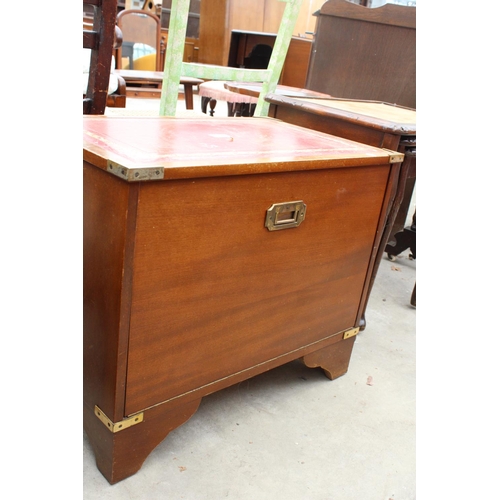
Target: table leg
188	95
206	101
407	238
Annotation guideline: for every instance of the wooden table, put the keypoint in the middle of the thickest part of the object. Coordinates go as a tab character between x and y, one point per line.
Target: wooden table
215	250
371	122
154	79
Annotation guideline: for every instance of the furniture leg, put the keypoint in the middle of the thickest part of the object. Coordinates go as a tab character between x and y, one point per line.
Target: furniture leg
334	359
404	239
232	109
407	238
205	101
212	103
188	95
204	104
246	109
121	454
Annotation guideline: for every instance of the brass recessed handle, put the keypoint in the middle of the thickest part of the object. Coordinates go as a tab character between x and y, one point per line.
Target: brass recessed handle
285	215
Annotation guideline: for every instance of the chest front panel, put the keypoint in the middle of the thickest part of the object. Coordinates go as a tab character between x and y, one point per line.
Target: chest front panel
214	292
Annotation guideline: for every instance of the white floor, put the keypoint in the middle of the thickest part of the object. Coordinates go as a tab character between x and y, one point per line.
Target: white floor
291	433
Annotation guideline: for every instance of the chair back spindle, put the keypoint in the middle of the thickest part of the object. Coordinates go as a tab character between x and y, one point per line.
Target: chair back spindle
100	39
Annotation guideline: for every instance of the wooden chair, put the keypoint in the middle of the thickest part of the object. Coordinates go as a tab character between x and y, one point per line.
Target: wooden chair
101	39
174	66
143	75
140	27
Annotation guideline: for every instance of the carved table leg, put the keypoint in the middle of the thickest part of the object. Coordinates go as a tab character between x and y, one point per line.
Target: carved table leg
334	359
121	454
404	239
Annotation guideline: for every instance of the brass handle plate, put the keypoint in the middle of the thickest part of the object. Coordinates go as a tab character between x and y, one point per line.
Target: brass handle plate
285	215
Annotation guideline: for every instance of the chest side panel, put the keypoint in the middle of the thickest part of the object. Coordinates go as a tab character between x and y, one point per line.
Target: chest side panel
215	292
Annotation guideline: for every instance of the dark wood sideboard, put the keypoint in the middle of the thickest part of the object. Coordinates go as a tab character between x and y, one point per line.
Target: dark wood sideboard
365	53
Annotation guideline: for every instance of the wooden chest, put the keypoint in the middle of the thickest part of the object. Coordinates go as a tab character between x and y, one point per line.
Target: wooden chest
214	250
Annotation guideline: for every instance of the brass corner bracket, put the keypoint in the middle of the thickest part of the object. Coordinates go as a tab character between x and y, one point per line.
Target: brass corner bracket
351	333
118	426
134	174
395	156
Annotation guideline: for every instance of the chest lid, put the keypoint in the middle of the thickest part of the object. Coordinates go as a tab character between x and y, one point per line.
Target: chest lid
146	148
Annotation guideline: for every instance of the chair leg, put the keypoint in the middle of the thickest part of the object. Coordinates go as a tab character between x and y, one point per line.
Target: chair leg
212	104
204	104
247	109
232	109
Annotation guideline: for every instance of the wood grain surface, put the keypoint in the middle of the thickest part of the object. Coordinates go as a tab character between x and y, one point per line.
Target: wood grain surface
215	292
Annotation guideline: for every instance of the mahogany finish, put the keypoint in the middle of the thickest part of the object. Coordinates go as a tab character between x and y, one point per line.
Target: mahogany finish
186	291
